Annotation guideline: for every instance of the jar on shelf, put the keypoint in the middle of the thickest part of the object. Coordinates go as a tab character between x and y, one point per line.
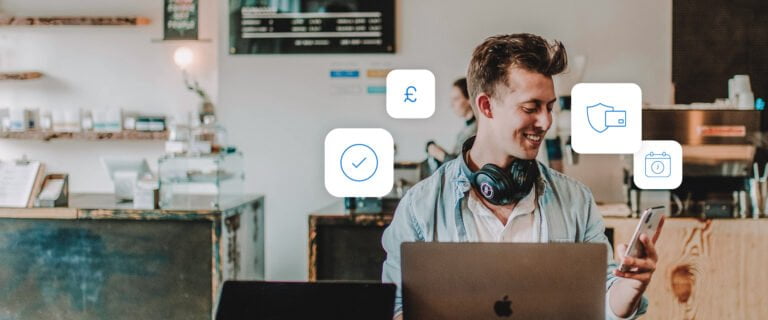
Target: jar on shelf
209	137
46	121
178	135
86	120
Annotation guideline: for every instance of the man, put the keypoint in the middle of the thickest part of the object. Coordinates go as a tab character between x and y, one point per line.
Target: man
512	95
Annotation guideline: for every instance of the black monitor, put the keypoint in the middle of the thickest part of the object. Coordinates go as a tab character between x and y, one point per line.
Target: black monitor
260	300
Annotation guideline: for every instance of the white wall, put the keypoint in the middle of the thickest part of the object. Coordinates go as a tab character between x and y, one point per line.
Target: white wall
278	107
97	67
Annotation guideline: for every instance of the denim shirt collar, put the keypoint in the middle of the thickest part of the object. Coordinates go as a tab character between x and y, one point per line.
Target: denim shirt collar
460	181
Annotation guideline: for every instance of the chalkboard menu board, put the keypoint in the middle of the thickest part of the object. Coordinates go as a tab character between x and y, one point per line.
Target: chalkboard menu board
180	20
312	26
713	40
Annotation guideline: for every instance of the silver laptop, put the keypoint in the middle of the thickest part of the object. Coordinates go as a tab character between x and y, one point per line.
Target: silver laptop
503	280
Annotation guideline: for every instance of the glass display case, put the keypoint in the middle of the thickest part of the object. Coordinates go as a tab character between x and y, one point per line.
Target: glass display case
201	181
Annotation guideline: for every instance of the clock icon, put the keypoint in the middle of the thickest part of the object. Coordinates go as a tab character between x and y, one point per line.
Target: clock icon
359	162
657	167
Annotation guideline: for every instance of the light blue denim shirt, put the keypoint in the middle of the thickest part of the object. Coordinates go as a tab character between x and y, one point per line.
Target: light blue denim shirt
566	212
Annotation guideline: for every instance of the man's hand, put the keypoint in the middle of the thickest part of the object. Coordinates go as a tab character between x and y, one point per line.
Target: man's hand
640	268
626	293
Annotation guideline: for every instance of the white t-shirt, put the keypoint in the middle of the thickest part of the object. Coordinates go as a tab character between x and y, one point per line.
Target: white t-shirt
520	226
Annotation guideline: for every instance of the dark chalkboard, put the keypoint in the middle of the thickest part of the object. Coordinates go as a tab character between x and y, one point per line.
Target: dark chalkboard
180	20
311	26
712	40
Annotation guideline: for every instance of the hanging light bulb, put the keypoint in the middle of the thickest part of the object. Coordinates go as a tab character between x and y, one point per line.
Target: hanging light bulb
183	57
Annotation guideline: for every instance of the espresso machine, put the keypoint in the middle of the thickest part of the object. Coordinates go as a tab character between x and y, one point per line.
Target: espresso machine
719	150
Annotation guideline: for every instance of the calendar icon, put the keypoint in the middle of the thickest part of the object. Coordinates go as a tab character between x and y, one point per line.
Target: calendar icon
658	165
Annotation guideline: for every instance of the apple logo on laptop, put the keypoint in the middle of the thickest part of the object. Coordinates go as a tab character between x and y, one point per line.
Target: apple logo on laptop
503	307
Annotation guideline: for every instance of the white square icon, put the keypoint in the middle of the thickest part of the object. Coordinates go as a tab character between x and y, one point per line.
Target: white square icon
658	165
606	117
410	94
359	162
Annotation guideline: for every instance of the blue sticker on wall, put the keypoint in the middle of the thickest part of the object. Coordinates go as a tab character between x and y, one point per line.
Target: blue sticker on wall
345	74
377	89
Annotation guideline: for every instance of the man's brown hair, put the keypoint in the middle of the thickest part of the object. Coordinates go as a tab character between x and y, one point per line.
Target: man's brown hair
492	58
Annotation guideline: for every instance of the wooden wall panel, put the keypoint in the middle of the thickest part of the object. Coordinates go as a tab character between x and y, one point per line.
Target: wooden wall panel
714	269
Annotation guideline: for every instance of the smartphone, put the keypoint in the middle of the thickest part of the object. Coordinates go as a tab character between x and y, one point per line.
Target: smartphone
648	225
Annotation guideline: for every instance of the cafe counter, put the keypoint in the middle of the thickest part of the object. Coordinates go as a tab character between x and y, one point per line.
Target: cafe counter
98	259
708	269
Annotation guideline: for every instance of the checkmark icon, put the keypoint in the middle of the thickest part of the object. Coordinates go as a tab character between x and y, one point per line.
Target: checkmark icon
359	162
357	165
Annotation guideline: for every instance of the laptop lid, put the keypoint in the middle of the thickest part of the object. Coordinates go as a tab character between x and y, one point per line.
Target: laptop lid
259	300
503	280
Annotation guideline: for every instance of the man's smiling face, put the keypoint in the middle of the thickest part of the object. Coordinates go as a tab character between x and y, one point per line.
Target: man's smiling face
521	112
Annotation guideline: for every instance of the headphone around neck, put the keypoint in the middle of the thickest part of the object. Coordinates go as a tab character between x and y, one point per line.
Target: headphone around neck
503	186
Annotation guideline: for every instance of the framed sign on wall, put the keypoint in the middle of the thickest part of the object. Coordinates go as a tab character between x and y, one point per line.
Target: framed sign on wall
311	26
180	20
714	40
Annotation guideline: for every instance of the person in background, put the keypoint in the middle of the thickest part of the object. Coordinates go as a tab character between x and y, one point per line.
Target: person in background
463	109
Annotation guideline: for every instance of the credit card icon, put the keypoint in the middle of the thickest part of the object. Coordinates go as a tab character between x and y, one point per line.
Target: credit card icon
615	118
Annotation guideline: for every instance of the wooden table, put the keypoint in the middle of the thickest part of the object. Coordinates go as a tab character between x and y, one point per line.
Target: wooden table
101	260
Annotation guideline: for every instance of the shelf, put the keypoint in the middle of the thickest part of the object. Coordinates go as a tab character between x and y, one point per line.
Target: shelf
73	21
20	75
180	40
197	178
90	135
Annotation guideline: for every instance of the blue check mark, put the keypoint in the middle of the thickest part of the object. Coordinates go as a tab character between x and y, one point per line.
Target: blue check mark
352	160
359	163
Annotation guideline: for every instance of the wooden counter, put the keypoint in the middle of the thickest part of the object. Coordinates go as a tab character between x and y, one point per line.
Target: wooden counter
713	269
345	245
101	260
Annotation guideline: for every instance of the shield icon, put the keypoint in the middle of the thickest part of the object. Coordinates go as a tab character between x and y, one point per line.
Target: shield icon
596	116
